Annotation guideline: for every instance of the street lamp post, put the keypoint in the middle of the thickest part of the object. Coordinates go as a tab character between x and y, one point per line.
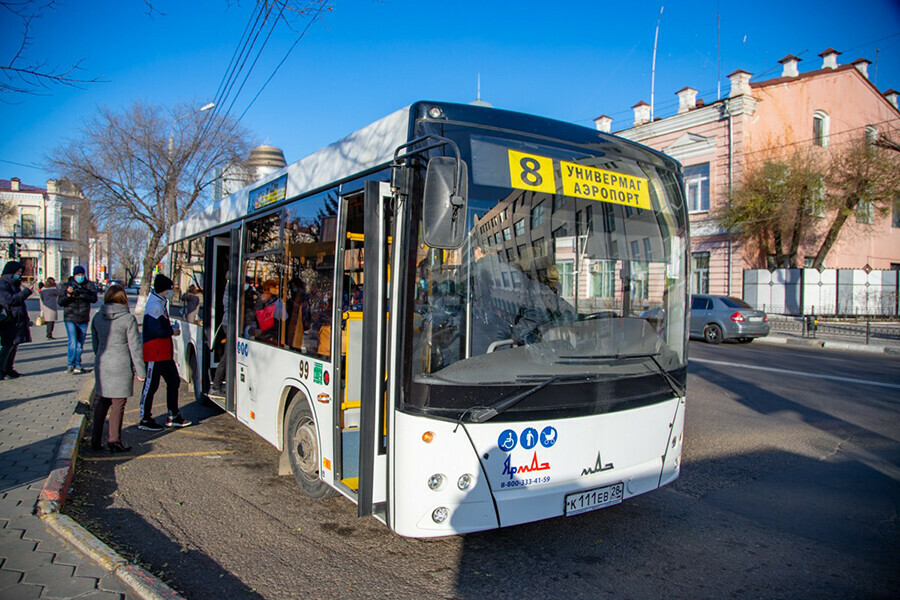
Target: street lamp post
172	186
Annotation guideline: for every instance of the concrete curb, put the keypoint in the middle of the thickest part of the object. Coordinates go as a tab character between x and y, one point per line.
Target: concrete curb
830	344
143	583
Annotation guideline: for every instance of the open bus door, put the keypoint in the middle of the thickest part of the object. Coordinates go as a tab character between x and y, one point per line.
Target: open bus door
221	280
375	418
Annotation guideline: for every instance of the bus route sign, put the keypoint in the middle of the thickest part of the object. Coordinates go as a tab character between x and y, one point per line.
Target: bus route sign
268	193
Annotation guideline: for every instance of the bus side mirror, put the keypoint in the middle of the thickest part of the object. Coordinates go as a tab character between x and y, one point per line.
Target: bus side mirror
444	202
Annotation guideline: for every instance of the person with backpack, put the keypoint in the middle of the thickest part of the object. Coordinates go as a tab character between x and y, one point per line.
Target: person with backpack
159	355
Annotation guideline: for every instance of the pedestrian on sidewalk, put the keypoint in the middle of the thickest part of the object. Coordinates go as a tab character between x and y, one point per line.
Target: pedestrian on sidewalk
16	329
159	356
49	305
117	346
76	297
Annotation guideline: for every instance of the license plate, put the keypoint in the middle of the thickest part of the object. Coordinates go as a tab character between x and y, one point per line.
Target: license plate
594	499
755	319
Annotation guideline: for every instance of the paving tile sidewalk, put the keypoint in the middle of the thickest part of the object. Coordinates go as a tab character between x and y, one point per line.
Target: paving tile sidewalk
35	411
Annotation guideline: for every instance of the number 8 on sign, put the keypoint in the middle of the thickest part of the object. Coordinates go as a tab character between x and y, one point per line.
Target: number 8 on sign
531	172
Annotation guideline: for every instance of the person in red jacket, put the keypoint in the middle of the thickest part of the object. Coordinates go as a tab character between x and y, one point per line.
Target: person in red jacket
158	353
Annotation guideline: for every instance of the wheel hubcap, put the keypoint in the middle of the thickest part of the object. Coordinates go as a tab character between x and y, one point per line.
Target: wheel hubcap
306	449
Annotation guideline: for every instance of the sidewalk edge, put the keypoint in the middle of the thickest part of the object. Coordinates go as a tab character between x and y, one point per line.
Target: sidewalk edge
143	583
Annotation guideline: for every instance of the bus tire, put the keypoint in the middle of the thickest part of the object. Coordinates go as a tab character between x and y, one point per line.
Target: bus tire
303	451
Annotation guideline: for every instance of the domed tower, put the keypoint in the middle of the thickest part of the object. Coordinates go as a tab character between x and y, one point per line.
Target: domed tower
264	160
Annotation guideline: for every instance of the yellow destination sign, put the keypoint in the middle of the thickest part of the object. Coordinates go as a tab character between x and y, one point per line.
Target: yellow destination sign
531	172
604	186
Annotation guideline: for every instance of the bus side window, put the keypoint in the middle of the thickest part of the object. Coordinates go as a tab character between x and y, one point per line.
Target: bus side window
263	315
309	258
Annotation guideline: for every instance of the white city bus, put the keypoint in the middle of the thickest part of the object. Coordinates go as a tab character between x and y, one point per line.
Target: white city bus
460	318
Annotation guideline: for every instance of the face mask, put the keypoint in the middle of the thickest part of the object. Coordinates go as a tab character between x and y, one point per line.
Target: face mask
246	286
16	276
168	294
79	278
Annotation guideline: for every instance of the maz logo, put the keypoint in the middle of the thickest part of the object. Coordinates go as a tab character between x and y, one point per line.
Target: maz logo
598	467
243	348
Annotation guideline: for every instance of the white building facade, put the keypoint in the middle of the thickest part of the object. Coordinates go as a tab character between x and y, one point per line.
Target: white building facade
46	226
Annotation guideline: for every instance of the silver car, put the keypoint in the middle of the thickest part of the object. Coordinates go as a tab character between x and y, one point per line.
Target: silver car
717	318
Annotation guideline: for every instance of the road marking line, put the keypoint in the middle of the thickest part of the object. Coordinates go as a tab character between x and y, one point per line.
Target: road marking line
169	455
799	373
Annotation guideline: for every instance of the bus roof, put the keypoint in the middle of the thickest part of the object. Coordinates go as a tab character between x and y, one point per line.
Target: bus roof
374	145
364	149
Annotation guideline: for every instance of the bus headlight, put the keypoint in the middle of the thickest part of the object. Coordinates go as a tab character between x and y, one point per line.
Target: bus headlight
440	514
464	482
436	481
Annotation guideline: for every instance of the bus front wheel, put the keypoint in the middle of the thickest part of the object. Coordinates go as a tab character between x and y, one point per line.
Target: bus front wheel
303	450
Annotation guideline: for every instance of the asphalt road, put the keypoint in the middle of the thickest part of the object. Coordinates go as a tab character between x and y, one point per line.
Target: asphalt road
790	488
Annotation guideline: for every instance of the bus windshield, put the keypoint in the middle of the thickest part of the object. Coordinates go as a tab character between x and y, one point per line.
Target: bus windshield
563	275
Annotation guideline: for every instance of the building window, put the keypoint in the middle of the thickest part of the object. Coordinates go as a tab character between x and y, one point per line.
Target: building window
537	216
520	227
648	250
871	135
895	217
566	272
65	227
507	235
29	227
816	207
820	129
700	272
696	187
65	268
603	279
865	212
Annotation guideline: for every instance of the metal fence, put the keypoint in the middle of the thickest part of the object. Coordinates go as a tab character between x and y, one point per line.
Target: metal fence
831	292
872	330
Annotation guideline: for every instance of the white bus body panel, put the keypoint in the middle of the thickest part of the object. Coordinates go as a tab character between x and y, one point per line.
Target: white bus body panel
191	335
263	375
364	149
530	481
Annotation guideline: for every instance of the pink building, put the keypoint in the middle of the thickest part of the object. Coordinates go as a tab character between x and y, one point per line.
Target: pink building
716	141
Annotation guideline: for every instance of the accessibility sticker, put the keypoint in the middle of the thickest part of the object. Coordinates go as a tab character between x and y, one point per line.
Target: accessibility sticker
604	186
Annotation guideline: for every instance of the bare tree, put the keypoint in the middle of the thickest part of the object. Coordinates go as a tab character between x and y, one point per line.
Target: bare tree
863	179
21	75
150	167
776	205
127	241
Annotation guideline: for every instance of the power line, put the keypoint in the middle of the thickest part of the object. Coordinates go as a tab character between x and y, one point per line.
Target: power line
286	55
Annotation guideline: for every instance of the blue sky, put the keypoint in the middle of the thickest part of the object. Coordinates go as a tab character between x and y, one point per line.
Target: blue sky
567	60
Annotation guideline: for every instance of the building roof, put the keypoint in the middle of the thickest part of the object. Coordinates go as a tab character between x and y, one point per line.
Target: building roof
789	57
641	103
829	51
6	186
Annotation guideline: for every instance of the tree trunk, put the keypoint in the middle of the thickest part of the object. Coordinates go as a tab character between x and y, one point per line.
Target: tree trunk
151	257
834	231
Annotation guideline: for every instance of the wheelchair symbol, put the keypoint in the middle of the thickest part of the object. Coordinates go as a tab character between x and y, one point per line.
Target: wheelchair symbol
507	440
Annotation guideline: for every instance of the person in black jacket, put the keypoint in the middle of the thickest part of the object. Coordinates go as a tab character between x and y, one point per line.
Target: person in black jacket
76	297
15	329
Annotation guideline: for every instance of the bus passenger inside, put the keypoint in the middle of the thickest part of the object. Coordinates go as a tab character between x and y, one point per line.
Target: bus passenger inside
269	314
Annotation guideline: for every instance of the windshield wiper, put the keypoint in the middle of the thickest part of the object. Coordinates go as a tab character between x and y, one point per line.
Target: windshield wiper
486	413
673	383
